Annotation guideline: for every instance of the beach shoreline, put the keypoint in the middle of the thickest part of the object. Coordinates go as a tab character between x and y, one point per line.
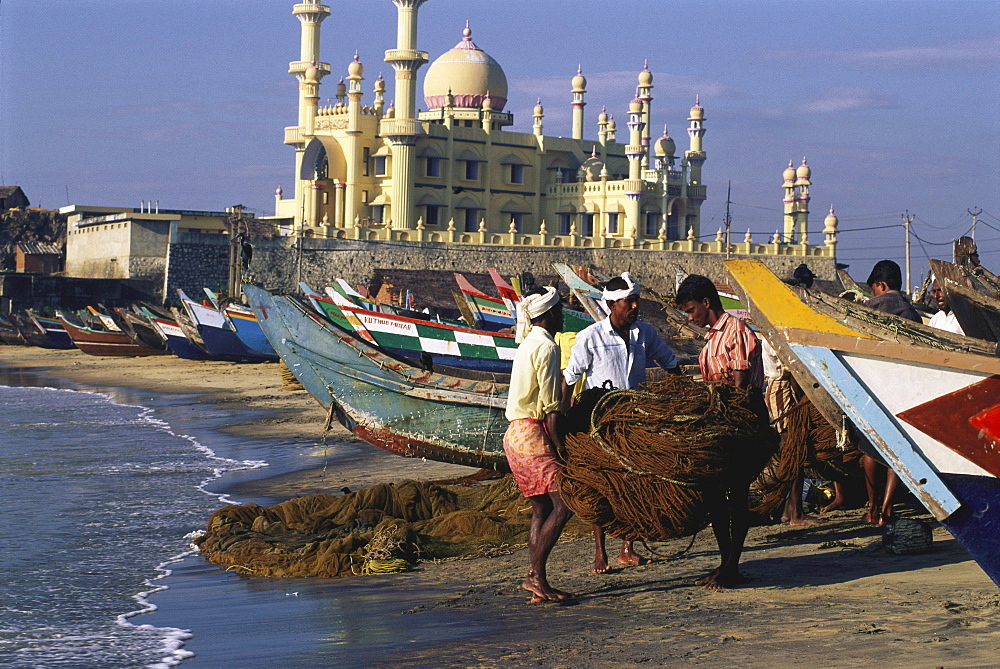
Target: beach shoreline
824	595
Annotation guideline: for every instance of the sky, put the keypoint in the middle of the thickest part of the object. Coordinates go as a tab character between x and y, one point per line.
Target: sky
895	103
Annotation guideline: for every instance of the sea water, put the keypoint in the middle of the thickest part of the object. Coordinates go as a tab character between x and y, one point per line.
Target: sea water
101	494
99	498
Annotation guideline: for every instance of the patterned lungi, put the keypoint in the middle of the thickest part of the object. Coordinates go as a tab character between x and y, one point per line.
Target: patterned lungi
780	397
529	457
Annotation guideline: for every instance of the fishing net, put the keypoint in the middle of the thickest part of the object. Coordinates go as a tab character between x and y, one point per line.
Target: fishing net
654	457
383	529
810	445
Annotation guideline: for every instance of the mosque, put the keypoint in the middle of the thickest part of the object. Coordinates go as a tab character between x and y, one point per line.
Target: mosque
454	173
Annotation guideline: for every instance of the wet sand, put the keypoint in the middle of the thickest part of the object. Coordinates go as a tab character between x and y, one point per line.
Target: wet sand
825	595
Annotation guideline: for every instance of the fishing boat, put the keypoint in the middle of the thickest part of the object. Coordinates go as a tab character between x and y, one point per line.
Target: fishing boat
575	318
43	332
489	313
9	332
380	398
105	342
218	337
243	322
933	415
433	343
891	327
973	301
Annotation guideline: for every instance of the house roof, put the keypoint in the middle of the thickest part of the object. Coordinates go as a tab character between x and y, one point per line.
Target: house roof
39	249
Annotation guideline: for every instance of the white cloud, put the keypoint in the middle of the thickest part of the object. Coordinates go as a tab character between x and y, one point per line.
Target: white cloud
846	99
970	51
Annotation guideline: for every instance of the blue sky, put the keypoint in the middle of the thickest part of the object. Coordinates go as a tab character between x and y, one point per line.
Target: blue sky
894	103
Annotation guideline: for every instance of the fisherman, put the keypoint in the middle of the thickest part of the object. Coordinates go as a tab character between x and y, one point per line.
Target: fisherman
530	443
885	280
617	350
732	354
944	319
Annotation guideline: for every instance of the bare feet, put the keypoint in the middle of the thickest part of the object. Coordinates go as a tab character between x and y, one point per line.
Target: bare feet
872	516
600	564
631	558
542	591
887	517
832	506
804	521
719	580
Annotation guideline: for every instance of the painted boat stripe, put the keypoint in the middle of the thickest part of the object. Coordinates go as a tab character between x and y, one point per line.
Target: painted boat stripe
782	308
884	434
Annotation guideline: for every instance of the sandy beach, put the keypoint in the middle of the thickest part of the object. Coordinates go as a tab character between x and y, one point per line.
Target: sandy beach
825	595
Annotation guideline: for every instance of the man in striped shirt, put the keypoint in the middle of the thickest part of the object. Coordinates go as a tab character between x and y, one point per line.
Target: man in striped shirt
732	354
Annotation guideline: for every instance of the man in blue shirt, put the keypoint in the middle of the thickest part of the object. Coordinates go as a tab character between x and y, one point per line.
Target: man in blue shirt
617	349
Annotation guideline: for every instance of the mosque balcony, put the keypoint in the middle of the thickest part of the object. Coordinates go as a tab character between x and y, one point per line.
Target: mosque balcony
697	192
300	66
397	127
293	135
405	56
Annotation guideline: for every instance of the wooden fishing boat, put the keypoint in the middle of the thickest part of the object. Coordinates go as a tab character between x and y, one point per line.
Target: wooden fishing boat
42	332
489	313
380	398
890	327
105	342
9	332
218	336
933	415
574	318
975	306
244	323
434	343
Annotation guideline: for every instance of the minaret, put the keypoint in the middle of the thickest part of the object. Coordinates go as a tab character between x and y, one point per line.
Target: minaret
379	104
830	229
309	71
351	144
402	130
802	184
579	90
634	186
644	96
696	130
602	128
788	177
538	115
310	15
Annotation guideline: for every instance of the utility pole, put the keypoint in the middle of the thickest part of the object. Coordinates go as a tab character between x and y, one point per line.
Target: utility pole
907	220
729	220
974	212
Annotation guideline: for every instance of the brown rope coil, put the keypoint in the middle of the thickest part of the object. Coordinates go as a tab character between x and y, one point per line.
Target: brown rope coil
652	455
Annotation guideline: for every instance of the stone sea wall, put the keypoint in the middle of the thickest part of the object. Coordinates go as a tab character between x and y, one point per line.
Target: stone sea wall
198	260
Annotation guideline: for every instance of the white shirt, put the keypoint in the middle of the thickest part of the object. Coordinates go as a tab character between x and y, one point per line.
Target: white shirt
600	353
773	369
946	321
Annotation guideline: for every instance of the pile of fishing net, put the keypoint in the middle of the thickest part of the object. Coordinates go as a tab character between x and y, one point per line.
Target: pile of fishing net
810	445
383	529
652	458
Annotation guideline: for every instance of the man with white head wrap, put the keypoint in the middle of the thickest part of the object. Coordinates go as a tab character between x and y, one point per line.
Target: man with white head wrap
531	440
944	319
617	350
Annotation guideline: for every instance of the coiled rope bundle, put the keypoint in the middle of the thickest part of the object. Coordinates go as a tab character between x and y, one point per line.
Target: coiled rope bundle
651	456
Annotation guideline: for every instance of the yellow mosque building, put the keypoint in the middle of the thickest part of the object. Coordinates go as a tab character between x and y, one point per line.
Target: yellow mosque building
453	173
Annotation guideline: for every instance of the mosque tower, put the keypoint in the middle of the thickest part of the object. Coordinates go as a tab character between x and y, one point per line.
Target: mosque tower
788	184
696	130
402	130
309	71
802	183
635	152
645	96
579	90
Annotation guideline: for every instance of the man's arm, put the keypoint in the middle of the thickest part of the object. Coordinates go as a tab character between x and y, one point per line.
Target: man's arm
658	351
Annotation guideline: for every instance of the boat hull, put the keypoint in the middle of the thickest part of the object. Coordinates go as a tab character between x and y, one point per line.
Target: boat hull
94	342
397	407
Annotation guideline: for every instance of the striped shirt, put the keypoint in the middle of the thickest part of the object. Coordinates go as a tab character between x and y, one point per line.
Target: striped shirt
731	346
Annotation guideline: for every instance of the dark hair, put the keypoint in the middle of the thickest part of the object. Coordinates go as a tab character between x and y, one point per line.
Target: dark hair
696	288
886	271
616	283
